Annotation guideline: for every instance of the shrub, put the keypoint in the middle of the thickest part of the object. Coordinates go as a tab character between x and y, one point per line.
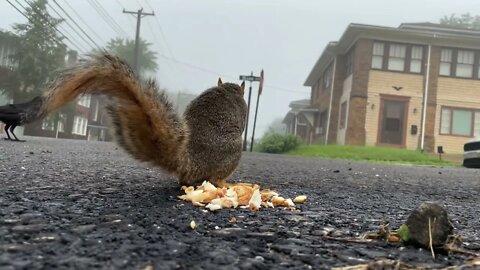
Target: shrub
277	143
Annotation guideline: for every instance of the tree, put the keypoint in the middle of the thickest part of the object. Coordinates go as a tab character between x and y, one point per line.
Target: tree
465	21
277	126
40	51
125	48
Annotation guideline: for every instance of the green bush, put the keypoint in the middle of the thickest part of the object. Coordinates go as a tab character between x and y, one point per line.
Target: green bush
277	143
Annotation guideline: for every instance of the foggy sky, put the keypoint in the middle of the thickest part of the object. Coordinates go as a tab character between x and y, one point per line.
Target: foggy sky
206	39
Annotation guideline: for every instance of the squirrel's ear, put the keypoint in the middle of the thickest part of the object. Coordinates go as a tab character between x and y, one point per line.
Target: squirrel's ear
242	86
219	81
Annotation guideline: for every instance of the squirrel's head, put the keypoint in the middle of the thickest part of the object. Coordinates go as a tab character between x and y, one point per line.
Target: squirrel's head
232	86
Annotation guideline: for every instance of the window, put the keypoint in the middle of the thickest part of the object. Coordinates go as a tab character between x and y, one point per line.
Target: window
323	122
95	113
301	121
401	57
48	123
458	122
316	90
396	59
61	123
465	61
377	58
349	63
85	101
446	119
416	59
343	115
327	77
80	126
476	131
446	62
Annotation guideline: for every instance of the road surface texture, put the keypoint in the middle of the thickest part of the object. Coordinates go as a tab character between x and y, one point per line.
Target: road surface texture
87	205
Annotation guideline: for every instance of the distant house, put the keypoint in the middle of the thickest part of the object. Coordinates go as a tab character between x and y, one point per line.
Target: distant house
84	119
416	87
300	120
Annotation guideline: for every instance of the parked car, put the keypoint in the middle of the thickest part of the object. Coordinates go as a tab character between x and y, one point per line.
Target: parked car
471	153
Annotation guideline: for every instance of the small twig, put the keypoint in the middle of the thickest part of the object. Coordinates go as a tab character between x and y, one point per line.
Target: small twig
452	248
430	244
349	240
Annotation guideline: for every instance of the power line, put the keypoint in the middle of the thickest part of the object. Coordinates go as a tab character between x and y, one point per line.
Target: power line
161	30
71	27
139	15
123	7
107	18
209	71
192	66
84	22
72	40
58	41
158	43
38	13
81	29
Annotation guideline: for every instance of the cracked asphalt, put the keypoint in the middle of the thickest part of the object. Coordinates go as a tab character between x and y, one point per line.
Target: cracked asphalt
67	204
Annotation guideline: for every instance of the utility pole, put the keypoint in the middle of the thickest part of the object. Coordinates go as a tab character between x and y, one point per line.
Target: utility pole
260	88
139	14
251	79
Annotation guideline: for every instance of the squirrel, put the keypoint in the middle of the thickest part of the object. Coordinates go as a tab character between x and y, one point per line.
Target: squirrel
204	144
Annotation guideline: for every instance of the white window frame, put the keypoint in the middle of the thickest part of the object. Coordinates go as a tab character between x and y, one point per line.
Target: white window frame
85	101
80	125
397	53
446	123
378	52
465	61
416	59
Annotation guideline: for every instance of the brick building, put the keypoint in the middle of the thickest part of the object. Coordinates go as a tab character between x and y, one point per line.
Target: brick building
83	119
416	87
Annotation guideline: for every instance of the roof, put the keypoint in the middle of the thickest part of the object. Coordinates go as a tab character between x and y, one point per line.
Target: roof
419	33
439	27
300	104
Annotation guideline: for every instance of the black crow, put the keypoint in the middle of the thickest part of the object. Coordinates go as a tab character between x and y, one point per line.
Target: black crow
14	115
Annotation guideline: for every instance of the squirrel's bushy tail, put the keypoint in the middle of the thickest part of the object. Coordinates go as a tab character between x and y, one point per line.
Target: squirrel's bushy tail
145	123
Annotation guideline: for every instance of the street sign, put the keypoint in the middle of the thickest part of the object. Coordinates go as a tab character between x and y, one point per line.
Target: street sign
249	78
260	86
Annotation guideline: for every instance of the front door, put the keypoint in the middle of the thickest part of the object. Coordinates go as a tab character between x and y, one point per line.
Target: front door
392	121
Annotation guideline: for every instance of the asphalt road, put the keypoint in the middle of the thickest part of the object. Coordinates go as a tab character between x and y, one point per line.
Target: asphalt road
86	205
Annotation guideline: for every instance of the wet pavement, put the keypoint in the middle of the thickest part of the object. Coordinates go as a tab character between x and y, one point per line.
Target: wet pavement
87	205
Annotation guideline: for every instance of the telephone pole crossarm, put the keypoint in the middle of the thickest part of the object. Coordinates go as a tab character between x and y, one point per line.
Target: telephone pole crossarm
139	14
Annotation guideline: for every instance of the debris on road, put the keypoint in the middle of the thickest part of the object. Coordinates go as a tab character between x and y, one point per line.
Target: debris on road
426	235
235	195
193	225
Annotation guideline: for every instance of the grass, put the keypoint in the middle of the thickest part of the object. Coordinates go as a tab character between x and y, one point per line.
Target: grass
371	154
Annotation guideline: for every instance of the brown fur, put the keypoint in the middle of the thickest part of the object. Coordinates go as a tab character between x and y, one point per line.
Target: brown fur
204	145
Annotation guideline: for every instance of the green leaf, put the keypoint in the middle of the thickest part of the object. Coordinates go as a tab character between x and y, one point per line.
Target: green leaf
404	232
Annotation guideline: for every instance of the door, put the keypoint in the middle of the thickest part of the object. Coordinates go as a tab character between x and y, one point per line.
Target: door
393	119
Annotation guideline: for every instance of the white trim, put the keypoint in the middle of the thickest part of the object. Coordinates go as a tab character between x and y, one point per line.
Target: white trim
331	99
425	97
